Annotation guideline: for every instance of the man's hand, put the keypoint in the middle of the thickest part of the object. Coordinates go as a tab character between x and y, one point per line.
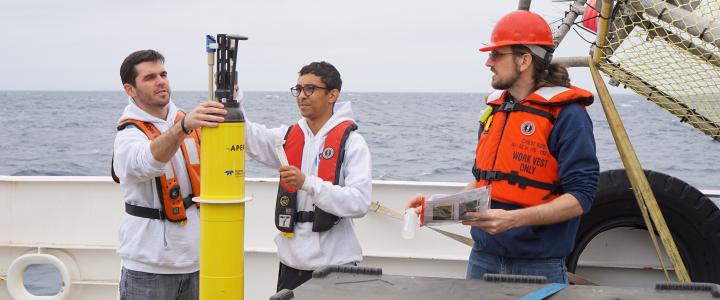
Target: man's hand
471	185
292	176
492	221
206	114
415	202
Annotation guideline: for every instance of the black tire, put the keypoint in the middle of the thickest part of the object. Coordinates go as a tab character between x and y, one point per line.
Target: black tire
693	219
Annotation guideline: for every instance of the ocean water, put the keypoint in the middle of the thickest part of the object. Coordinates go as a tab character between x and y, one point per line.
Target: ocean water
412	136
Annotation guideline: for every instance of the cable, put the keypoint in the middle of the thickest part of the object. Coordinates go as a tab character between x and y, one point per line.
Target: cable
588	19
582	37
553	22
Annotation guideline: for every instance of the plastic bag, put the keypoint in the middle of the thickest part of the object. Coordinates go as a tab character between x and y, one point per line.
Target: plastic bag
444	209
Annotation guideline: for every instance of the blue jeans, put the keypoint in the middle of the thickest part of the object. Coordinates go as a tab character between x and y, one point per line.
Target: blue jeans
481	262
136	285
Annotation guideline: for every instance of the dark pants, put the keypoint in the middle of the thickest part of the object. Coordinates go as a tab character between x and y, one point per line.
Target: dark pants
136	285
290	278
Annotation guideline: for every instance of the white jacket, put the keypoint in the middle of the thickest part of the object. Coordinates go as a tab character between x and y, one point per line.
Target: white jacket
147	245
310	250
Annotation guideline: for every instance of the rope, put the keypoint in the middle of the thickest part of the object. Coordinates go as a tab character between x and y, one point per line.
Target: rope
376	207
379	209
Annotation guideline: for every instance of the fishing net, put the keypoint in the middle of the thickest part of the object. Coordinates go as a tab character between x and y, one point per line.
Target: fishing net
669	52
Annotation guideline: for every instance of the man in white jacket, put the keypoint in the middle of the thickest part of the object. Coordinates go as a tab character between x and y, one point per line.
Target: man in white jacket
327	182
156	162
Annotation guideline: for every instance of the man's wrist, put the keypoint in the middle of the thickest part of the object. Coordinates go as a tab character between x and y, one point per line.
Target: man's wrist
518	219
182	126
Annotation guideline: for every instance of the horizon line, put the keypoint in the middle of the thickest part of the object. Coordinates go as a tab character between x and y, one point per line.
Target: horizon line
269	91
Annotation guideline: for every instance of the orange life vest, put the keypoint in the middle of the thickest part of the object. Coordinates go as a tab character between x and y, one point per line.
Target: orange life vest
168	189
330	161
512	154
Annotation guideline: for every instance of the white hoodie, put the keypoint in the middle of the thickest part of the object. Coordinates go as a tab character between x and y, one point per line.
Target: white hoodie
147	245
310	250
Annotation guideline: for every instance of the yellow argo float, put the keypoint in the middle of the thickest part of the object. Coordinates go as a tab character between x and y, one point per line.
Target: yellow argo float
222	181
222	214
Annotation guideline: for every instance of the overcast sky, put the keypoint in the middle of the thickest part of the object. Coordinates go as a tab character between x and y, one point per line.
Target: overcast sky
380	46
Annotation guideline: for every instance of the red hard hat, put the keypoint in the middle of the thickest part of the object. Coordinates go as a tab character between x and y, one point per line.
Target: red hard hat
520	27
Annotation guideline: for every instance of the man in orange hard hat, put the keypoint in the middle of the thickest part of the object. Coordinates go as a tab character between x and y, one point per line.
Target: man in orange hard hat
536	152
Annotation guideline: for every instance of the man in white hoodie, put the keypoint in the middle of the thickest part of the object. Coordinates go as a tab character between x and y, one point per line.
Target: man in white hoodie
327	182
156	162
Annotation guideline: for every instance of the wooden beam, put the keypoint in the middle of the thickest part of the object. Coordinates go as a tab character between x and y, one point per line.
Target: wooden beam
641	187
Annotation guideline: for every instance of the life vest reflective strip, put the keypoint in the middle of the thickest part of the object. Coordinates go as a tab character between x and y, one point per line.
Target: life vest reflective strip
330	162
512	154
168	188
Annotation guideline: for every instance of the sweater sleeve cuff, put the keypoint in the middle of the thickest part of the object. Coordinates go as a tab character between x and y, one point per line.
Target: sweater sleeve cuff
584	201
309	184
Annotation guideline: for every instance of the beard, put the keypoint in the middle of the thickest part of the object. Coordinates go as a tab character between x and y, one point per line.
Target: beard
149	98
507	83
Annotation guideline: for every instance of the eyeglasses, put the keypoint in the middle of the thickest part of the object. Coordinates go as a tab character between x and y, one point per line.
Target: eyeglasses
307	89
494	54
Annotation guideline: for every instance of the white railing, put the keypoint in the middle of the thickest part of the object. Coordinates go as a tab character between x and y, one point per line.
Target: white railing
76	219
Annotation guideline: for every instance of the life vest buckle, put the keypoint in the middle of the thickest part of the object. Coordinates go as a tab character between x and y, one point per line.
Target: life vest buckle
512	181
489	175
515	178
507	106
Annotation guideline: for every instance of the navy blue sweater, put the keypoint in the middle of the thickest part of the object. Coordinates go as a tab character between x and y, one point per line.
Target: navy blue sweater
572	143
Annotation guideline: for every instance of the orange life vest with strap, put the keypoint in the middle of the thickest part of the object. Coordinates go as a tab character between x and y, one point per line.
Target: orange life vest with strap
512	154
330	162
168	188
